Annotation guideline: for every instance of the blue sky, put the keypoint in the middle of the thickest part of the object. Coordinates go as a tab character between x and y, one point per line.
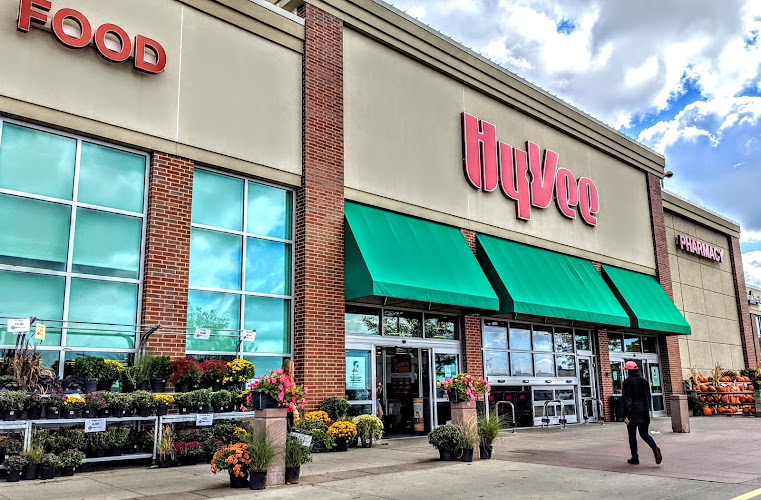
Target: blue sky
685	80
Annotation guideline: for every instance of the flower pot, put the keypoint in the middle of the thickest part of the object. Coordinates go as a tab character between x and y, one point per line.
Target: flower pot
144	385
69	413
182	386
216	385
219	409
319	447
47	472
467	455
164	461
367	443
118	412
239	482
191	460
262	401
144	412
454	396
127	386
158	385
67	470
162	410
13	476
104	413
257	480
99	453
202	409
116	451
89	413
446	455
90	385
485	452
181	460
105	385
30	471
53	414
35	414
342	444
292	475
184	410
11	415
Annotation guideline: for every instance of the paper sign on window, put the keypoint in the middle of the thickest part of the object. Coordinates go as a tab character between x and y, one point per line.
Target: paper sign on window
248	335
39	332
202	333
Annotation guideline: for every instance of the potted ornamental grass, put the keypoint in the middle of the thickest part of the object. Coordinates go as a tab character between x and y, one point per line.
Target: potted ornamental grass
163	402
369	428
214	371
446	439
33	455
90	369
489	427
234	459
262	451
296	455
73	406
468	438
464	388
136	377
165	447
33	404
160	372
53	405
186	373
48	465
69	460
14	467
342	431
222	401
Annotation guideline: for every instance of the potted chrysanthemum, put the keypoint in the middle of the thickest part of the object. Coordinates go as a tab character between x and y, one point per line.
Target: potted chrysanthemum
342	431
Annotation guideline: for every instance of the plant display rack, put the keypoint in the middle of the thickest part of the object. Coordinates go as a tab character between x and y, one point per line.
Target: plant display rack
726	394
193	417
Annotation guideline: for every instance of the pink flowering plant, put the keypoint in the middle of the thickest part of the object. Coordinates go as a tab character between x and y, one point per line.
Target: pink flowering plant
282	389
468	387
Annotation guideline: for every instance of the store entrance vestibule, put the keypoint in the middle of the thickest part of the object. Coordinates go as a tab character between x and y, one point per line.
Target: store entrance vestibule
405	376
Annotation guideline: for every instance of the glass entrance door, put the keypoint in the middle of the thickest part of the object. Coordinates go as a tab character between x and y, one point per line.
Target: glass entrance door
588	388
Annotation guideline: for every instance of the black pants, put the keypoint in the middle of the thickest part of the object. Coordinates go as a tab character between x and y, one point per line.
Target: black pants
289	421
643	433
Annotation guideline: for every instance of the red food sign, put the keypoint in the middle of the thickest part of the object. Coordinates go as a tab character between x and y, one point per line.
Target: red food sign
111	41
524	175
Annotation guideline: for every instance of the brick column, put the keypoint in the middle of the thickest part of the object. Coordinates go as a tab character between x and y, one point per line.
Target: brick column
471	337
603	372
319	287
749	339
671	362
167	253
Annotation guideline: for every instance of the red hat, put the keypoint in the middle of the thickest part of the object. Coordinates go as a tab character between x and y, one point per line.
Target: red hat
631	365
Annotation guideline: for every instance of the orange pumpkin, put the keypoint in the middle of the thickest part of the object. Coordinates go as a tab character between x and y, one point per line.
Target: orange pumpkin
703	388
750	399
707	411
711	388
725	399
702	399
720	389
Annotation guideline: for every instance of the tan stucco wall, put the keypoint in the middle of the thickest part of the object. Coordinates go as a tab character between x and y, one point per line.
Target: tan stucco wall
224	90
404	145
704	292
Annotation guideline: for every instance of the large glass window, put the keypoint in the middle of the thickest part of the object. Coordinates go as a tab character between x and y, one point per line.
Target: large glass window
362	320
358	375
402	323
72	213
241	261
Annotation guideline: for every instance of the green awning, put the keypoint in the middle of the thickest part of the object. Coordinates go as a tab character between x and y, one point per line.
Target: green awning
540	282
646	302
393	255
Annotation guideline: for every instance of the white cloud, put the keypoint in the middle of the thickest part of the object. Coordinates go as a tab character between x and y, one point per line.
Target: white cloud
752	267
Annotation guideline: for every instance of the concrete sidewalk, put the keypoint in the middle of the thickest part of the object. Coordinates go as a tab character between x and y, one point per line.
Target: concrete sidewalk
717	460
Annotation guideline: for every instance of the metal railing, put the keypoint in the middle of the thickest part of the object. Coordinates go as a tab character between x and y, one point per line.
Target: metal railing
512	408
585	410
562	421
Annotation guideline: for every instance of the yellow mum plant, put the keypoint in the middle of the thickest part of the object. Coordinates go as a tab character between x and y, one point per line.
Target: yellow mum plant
317	416
342	429
74	402
240	371
164	399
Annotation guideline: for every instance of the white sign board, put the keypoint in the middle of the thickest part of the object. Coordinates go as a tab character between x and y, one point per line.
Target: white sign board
248	335
18	325
204	419
202	333
304	439
95	425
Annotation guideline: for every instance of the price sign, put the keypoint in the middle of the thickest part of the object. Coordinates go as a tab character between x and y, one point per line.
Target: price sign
248	335
18	325
202	333
204	419
95	425
39	332
304	439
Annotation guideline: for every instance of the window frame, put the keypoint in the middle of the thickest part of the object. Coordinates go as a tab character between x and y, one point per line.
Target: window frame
244	234
74	205
456	319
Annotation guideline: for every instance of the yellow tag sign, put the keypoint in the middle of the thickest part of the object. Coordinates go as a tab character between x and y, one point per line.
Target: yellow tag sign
39	332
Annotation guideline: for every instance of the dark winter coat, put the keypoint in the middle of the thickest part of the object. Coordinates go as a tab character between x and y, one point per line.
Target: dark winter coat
636	399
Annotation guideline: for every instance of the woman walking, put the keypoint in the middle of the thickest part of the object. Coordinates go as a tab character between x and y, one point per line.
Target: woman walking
636	400
288	370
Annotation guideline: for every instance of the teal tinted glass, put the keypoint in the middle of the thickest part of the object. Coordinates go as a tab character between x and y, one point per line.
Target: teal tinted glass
215	259
111	178
264	364
268	266
213	310
107	244
269	211
70	356
271	320
217	200
34	233
102	302
37	162
24	295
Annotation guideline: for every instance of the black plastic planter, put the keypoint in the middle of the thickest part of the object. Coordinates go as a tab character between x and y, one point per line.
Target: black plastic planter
34	414
292	475
144	385
161	410
183	410
164	461
239	482
105	385
90	385
485	452
216	385
68	414
182	386
52	414
11	415
158	385
467	455
47	472
446	455
118	412
258	480
13	476
30	472
191	460
67	470
342	444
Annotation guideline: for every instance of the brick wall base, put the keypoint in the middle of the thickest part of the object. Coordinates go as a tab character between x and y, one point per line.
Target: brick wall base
603	372
167	255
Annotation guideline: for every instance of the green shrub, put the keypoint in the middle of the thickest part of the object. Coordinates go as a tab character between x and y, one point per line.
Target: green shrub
336	408
71	458
445	437
89	367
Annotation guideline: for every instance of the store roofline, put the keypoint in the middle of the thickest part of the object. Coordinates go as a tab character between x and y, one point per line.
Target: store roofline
686	208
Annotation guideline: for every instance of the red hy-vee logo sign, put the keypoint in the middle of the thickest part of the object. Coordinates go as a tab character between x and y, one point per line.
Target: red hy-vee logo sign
490	164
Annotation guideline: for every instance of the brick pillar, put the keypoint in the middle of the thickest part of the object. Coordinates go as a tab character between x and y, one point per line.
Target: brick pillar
671	362
319	288
755	332
167	253
603	372
749	339
471	338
